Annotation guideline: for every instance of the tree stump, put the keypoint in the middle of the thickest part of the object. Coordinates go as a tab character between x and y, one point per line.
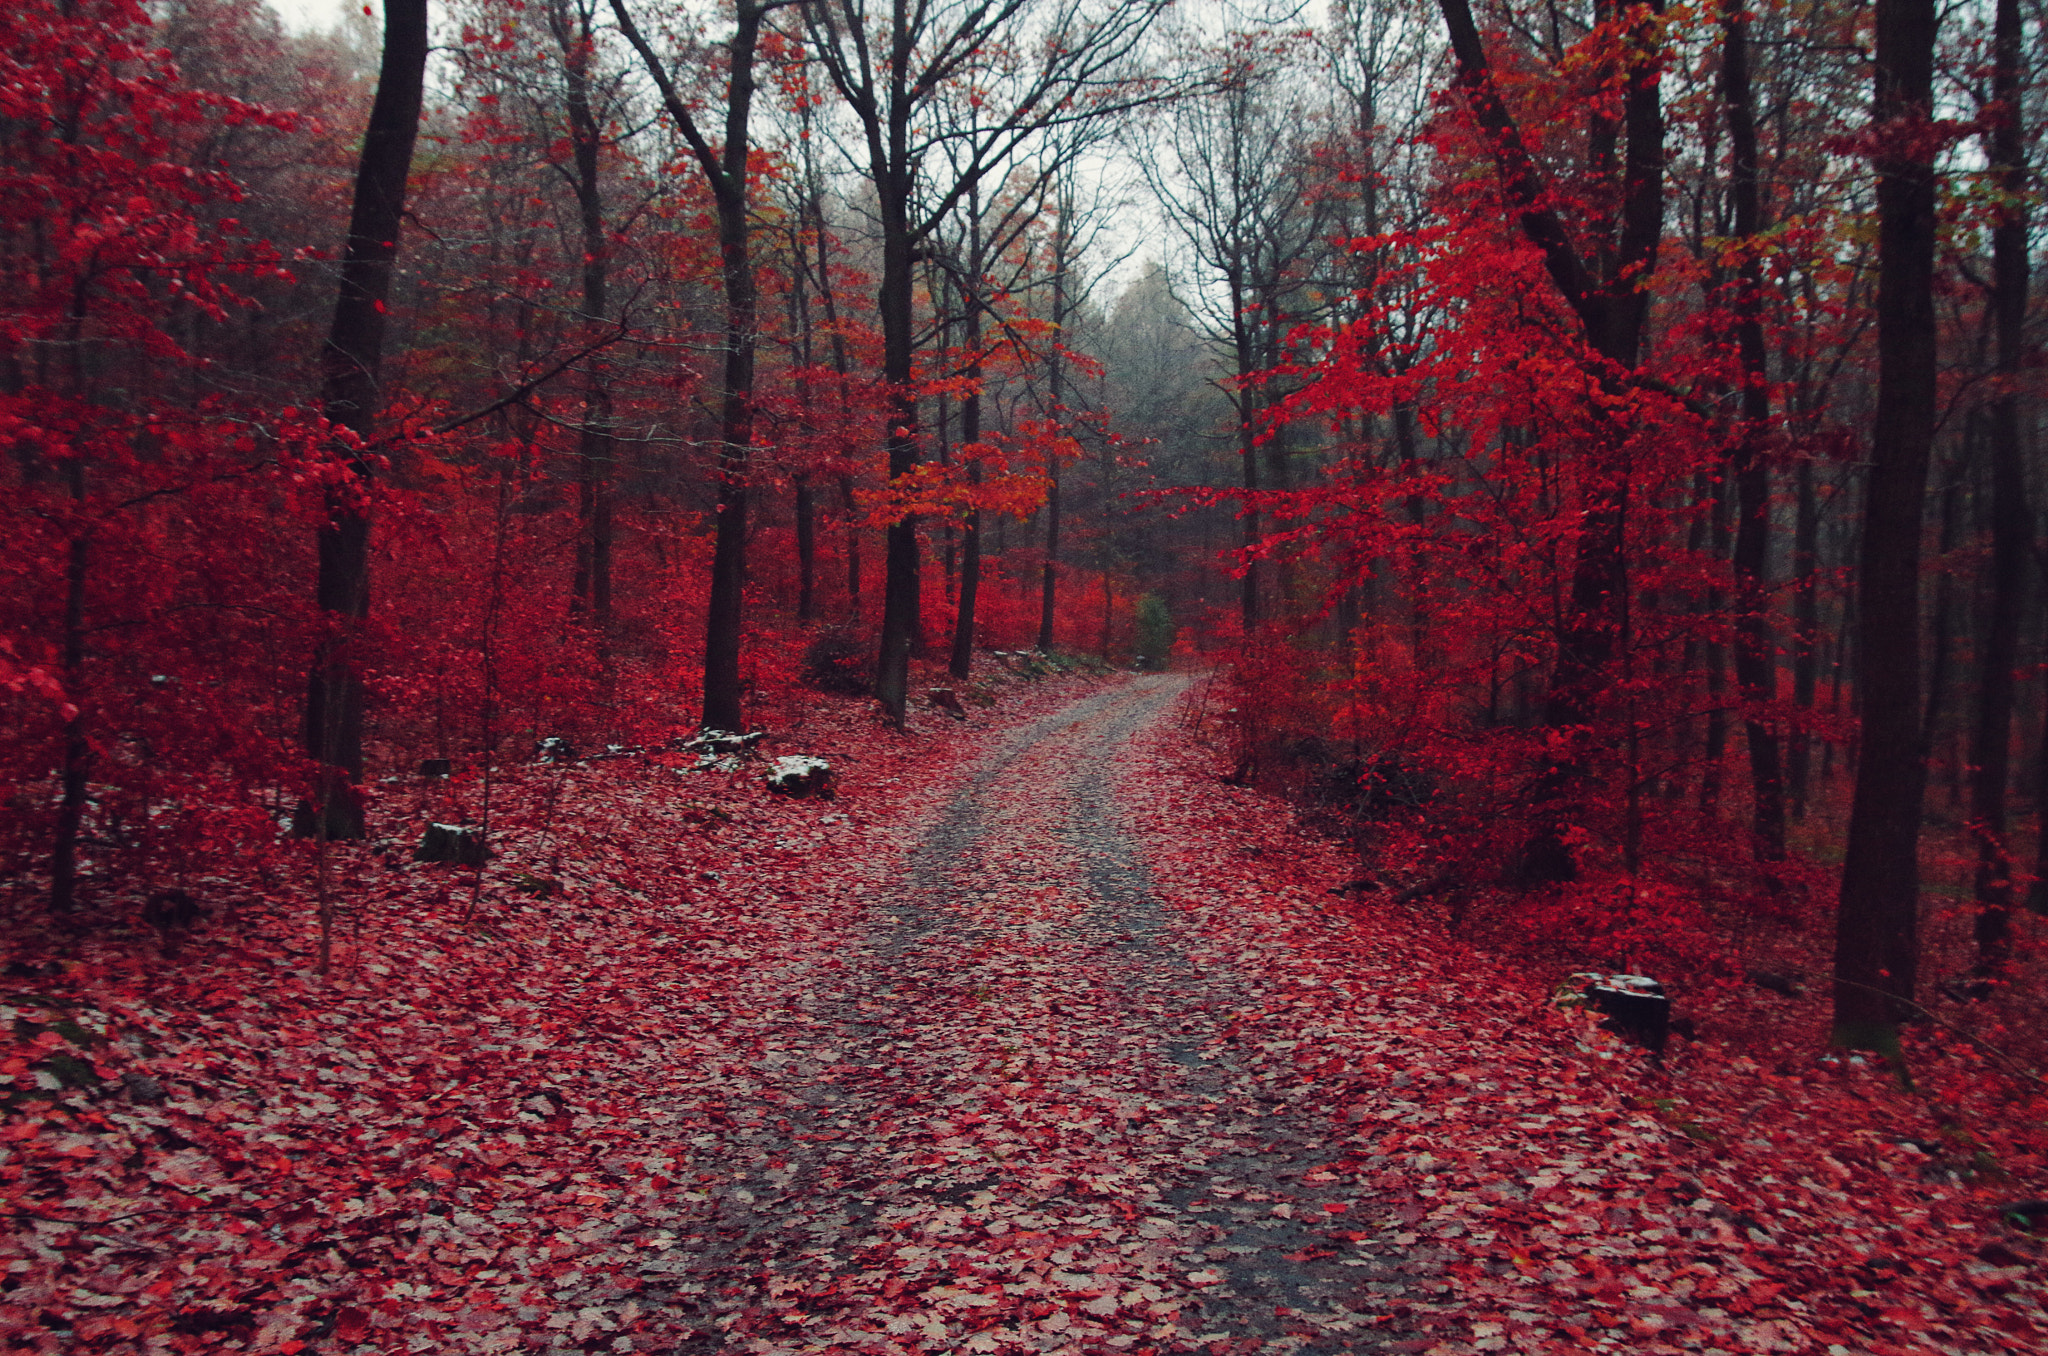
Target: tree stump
1635	1006
461	844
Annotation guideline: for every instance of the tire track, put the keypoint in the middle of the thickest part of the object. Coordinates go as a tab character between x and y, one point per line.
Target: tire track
1024	1129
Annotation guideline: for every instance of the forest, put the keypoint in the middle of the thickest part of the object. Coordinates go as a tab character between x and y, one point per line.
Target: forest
535	530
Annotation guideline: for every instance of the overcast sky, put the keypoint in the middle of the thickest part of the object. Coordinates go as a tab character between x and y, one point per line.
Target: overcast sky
302	16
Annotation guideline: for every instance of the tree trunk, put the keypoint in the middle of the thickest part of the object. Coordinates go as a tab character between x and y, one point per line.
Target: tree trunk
725	170
1941	644
1876	937
1715	764
77	747
1246	409
1756	673
2011	521
901	591
962	665
806	550
851	508
596	450
1056	396
350	366
1805	629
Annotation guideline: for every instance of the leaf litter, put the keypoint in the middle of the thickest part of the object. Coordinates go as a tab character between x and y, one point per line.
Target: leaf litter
1040	1039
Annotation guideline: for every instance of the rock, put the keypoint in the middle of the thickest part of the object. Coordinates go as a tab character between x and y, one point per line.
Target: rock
437	767
948	701
1792	986
461	844
719	750
142	1089
796	775
62	1069
720	741
539	887
2028	1215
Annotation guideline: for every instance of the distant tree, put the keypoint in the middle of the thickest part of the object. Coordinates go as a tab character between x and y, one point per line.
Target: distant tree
1234	171
1035	64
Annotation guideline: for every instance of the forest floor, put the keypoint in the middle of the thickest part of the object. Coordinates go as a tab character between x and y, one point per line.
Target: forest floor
1038	1038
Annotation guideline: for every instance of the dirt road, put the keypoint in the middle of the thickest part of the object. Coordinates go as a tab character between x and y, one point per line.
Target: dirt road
1017	1125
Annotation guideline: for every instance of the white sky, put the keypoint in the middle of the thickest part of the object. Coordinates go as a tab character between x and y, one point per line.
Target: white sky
308	16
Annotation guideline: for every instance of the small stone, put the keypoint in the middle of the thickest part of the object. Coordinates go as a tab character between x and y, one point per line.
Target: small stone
799	776
142	1089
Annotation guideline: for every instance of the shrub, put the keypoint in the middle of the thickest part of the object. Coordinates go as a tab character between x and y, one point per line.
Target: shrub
839	659
1156	631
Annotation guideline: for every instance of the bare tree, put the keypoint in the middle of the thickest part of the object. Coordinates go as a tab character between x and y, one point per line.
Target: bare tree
1035	64
725	171
1235	176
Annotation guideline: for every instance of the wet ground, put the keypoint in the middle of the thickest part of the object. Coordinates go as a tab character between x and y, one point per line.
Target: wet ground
1015	1122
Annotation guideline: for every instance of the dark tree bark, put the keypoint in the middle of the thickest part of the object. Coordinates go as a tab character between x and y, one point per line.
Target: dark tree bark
1714	489
903	586
725	171
806	550
1805	627
1876	936
596	450
1941	616
973	266
851	508
2011	521
1755	665
77	746
804	332
962	660
350	397
1250	604
1056	396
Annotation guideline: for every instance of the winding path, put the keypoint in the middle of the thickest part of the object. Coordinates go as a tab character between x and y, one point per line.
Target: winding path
1020	1127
